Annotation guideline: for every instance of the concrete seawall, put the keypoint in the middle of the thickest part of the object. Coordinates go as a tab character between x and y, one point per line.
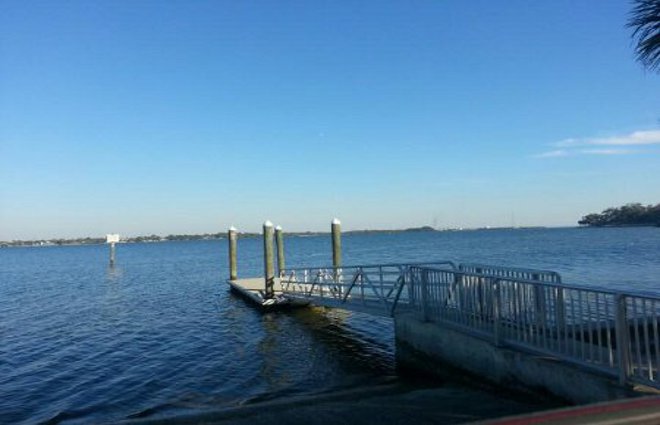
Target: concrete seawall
427	347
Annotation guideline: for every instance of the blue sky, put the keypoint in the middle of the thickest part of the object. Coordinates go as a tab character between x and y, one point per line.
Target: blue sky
145	117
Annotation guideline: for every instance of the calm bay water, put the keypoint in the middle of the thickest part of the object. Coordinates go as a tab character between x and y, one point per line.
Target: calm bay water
160	334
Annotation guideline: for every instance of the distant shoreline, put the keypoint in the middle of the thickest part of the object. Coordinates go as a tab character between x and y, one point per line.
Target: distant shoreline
219	236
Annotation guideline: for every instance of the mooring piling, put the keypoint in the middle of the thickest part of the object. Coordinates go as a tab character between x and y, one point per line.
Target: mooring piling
336	243
279	241
232	237
269	269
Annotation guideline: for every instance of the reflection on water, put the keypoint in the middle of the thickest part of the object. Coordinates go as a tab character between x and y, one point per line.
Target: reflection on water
271	363
113	273
159	333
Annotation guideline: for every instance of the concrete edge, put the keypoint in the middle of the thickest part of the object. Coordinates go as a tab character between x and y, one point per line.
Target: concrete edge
430	347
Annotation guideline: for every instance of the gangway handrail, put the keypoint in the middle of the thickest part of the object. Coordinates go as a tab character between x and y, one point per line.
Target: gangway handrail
333	276
601	329
562	284
328	283
504	271
375	265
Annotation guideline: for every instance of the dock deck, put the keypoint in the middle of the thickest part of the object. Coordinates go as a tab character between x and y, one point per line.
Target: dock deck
252	289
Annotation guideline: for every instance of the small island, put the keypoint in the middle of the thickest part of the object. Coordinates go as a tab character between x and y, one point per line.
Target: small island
634	214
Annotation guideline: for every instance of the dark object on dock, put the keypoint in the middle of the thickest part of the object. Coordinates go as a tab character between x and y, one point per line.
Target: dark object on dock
252	290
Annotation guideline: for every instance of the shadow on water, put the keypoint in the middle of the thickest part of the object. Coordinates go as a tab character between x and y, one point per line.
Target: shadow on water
282	355
363	343
299	350
369	351
311	350
271	370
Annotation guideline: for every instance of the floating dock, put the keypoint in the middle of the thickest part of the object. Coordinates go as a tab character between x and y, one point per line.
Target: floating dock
253	291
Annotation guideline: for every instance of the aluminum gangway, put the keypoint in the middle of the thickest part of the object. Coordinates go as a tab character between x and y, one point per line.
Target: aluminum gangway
375	289
609	332
383	289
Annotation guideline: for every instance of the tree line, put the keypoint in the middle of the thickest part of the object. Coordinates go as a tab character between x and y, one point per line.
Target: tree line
634	214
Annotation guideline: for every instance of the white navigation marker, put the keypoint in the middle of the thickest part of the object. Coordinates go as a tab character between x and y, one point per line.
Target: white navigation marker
112	239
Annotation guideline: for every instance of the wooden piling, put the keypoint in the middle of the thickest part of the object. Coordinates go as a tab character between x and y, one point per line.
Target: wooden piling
336	243
232	236
269	269
279	241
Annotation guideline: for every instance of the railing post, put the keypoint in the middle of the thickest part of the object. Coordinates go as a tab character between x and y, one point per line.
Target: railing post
497	311
404	276
279	241
458	290
232	236
560	313
622	338
412	283
539	302
424	295
361	272
479	286
269	269
380	277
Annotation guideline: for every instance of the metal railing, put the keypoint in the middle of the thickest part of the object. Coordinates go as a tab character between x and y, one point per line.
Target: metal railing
608	331
511	272
376	289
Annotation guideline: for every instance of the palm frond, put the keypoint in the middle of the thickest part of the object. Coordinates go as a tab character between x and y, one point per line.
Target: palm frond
645	22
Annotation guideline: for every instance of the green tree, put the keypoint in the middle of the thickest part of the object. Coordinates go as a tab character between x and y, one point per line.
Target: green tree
645	22
633	214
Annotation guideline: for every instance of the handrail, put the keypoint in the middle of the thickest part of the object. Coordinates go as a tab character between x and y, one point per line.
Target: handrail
507	268
559	284
384	287
601	329
354	266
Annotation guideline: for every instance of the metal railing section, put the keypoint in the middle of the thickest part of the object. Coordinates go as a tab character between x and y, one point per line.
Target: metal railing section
511	272
615	333
377	289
